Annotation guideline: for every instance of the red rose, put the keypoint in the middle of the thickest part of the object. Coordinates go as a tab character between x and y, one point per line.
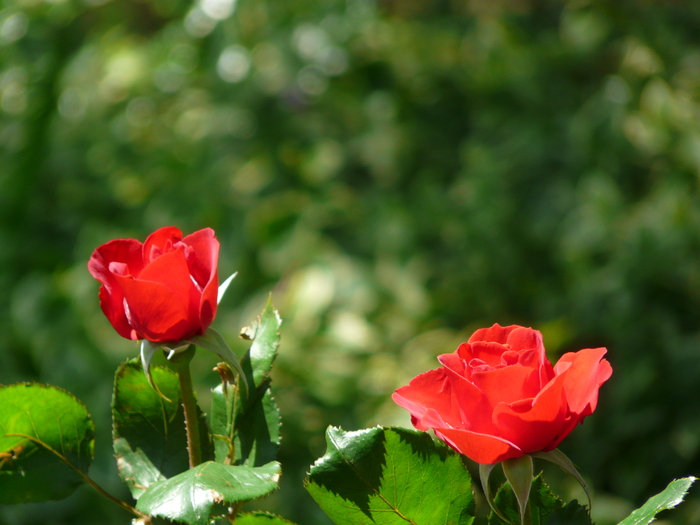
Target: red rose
498	397
164	290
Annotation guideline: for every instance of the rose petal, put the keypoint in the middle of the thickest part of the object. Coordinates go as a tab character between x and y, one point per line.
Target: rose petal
453	362
482	448
160	242
155	312
474	406
171	270
204	256
203	263
490	353
533	424
522	338
495	334
507	384
428	398
121	251
584	371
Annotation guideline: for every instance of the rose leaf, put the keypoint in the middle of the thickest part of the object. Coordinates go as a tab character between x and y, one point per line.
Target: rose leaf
150	442
391	476
46	443
671	496
261	518
206	490
246	425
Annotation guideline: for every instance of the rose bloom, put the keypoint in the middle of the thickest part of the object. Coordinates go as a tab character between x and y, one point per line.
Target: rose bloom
163	290
498	397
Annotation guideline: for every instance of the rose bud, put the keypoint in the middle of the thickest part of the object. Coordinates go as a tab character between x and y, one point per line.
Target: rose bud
164	290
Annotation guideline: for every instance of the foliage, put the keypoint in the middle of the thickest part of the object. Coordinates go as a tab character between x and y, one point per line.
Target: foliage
46	440
390	476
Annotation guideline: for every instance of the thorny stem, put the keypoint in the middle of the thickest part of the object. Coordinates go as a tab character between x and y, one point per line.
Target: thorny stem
85	477
181	364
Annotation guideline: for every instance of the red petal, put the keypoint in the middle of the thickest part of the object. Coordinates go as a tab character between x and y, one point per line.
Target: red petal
203	262
156	313
522	338
428	398
507	384
159	242
495	334
489	353
533	424
122	251
453	362
482	448
584	372
204	256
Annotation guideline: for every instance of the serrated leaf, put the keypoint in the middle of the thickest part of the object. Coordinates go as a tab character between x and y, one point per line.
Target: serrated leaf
55	418
544	506
248	433
150	442
264	332
571	514
386	476
671	496
246	424
196	495
261	518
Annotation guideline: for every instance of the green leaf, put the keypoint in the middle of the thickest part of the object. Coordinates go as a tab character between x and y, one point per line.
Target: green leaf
545	507
150	442
246	425
671	496
571	514
381	476
41	429
196	495
261	518
245	431
264	332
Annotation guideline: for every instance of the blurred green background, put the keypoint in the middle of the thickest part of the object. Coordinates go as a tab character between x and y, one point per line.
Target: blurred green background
398	173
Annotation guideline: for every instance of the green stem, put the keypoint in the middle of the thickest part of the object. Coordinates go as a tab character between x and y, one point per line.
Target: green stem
181	363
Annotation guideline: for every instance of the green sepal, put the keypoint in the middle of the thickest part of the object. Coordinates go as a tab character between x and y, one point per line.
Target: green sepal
207	490
518	472
46	443
484	475
671	496
544	507
148	349
560	459
223	287
213	341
